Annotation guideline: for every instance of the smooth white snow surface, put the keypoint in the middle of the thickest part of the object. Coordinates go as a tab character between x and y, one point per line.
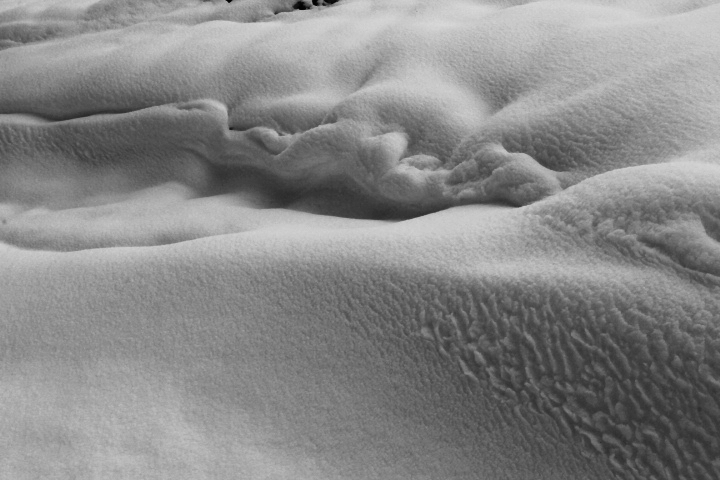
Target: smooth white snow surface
409	239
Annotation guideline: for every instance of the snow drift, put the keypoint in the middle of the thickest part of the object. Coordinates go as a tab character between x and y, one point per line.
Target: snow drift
372	240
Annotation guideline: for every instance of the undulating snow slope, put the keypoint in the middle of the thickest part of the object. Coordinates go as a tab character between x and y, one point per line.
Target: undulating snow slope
406	239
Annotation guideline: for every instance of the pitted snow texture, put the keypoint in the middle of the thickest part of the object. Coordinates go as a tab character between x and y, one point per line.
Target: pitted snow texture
639	392
577	334
633	376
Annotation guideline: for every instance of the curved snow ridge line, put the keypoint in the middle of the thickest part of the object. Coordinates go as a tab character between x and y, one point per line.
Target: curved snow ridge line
185	142
652	212
632	384
182	143
22	25
667	214
56	163
388	110
217	301
163	215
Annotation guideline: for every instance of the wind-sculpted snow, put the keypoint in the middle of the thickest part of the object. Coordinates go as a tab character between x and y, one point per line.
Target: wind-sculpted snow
477	342
419	109
415	239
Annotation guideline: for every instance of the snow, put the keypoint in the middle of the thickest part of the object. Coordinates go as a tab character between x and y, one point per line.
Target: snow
373	240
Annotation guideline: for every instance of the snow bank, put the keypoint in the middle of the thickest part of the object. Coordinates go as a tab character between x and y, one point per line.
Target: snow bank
374	240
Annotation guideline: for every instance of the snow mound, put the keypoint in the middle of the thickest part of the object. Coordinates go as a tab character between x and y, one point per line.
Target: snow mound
414	109
667	214
360	240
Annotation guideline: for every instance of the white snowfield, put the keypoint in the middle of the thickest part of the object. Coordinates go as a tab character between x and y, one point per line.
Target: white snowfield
372	240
